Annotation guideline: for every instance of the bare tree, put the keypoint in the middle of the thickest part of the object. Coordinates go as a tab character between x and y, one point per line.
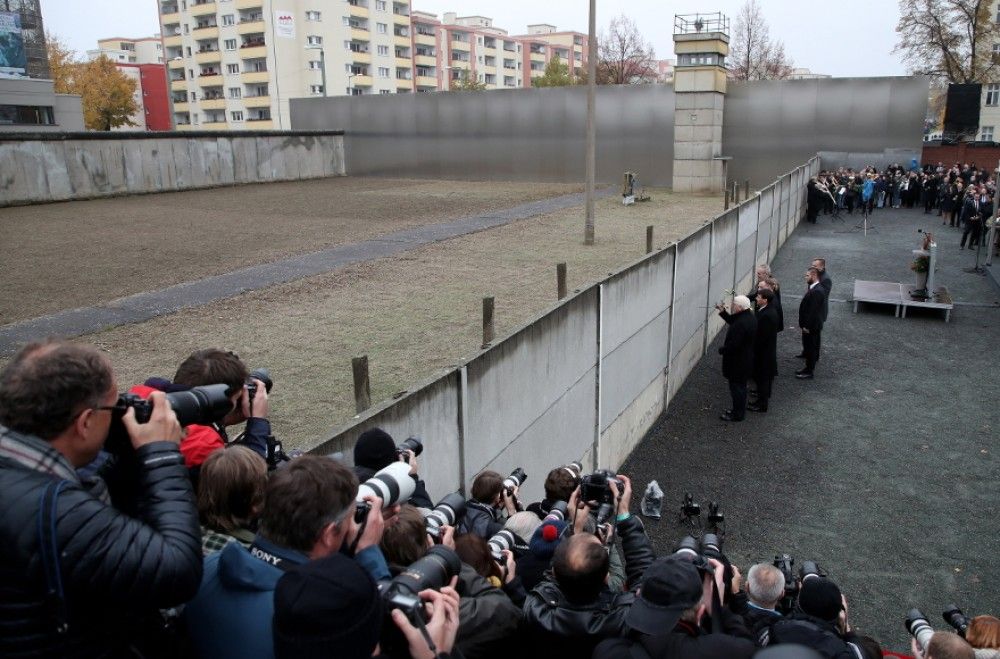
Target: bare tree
947	39
753	55
624	57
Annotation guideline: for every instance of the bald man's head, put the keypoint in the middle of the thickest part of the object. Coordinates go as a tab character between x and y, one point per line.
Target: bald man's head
580	565
945	645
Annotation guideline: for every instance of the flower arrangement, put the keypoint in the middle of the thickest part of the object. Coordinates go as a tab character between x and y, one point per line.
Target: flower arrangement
921	264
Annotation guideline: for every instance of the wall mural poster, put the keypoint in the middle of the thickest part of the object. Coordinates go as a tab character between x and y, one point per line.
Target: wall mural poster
13	61
284	24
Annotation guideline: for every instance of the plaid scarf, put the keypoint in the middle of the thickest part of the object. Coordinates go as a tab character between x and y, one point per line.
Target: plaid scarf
38	455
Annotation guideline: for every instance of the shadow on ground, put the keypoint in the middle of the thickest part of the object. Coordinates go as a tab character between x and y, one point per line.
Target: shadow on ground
884	468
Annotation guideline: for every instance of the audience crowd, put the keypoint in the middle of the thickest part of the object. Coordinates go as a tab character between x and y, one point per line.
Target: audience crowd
136	527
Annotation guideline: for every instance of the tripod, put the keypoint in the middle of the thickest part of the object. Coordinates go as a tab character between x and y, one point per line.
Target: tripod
835	213
865	225
978	269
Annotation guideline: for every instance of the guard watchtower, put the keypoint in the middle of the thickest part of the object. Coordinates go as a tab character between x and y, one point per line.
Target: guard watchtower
701	42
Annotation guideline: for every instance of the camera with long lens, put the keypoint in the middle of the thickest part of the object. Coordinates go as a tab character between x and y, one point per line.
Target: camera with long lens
786	564
392	484
693	550
557	513
264	376
689	507
919	628
596	488
810	569
202	405
431	572
501	541
956	618
447	513
412	444
516	478
715	517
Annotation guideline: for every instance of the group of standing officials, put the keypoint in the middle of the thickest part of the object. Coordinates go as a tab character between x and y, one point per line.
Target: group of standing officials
749	351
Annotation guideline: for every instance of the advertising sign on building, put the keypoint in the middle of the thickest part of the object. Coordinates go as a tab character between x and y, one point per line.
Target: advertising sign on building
13	61
284	24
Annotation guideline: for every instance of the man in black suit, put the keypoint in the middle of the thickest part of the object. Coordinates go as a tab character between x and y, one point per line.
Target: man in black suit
825	282
811	322
737	354
765	349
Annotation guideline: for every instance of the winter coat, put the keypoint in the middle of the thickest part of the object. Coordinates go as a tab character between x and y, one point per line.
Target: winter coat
737	350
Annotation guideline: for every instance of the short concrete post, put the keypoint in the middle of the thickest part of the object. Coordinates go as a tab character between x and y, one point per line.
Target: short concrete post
362	387
727	199
649	239
561	280
736	193
746	189
487	322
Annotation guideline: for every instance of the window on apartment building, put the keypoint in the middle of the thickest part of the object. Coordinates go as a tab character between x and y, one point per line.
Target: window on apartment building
993	94
381	28
380	5
347	20
313	16
190	73
187	49
315	89
315	64
235	92
232	68
383	72
230	44
195	118
384	91
186	29
986	133
314	40
229	19
383	50
236	115
194	96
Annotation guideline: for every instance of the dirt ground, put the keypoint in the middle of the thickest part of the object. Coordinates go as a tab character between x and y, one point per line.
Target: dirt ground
413	315
76	254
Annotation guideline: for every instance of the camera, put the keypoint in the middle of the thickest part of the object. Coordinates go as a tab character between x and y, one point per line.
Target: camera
448	511
198	405
810	569
516	478
502	540
954	617
786	563
916	623
432	572
597	487
689	508
557	513
264	376
715	516
414	444
392	484
691	549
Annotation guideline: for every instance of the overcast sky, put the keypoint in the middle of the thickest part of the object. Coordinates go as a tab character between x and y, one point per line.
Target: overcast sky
849	38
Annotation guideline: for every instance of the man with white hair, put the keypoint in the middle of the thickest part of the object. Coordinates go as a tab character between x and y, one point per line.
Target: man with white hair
737	353
758	601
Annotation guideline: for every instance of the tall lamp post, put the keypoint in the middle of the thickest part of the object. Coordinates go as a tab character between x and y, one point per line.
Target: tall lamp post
591	164
322	63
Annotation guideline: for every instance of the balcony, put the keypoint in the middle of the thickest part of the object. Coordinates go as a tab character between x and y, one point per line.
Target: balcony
249	4
171	17
361	81
173	41
250	27
209	80
257	101
404	63
213	104
361	57
207	32
178	85
215	125
360	34
426	81
537	57
260	124
401	40
425	39
404	84
177	63
208	57
202	8
253	52
181	106
425	60
358	11
255	77
457	44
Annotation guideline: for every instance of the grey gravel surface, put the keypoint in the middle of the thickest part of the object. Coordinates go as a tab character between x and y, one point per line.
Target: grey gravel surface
884	468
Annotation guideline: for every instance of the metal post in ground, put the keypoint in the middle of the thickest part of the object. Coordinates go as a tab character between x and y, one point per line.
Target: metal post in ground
362	386
487	322
561	280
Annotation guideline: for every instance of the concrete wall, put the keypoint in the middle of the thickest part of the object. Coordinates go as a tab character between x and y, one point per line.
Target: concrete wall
588	378
41	168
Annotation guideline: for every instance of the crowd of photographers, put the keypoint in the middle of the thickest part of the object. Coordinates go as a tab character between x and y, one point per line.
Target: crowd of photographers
962	195
135	526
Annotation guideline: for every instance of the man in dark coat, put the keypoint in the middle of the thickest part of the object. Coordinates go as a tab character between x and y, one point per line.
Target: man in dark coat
825	282
811	322
737	354
765	349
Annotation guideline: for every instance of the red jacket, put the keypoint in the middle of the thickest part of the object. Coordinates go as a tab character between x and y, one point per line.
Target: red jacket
198	442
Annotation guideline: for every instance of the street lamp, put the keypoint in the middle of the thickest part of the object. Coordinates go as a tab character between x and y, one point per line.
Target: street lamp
322	62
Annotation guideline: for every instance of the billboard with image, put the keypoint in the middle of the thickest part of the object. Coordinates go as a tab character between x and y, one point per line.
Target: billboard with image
13	61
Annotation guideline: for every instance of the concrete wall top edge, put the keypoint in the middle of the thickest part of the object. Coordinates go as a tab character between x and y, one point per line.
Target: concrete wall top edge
159	135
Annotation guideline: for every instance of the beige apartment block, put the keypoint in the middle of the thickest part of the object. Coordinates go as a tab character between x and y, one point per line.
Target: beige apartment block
147	50
235	64
989	111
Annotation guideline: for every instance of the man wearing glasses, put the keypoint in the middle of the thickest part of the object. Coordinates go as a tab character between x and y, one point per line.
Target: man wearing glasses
80	577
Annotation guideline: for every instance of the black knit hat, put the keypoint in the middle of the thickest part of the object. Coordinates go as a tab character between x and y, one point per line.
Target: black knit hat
820	597
326	608
375	449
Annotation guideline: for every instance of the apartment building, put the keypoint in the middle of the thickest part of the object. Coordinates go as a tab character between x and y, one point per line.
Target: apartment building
234	64
989	111
447	50
142	61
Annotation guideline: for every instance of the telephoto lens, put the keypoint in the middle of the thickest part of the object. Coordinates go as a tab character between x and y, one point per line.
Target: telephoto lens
432	572
711	543
557	513
503	540
202	405
392	484
576	468
264	376
810	569
916	623
449	511
516	478
954	617
688	546
414	444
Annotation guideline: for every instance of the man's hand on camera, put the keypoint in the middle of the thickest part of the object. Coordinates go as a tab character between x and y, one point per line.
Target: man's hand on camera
625	494
260	407
448	536
737	583
442	627
375	525
508	567
414	467
161	427
719	575
509	499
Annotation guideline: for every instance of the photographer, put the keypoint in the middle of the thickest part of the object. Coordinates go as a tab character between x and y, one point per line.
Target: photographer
308	513
375	449
819	621
213	366
575	609
487	616
80	578
668	619
765	586
944	645
559	485
230	496
490	503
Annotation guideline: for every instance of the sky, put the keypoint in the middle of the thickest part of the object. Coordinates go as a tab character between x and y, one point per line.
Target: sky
855	39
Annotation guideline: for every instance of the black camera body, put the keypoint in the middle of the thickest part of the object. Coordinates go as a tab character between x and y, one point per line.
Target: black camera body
689	508
431	572
264	376
596	487
956	618
413	444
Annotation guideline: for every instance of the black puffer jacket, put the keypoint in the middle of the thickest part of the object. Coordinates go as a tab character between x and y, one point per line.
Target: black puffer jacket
116	570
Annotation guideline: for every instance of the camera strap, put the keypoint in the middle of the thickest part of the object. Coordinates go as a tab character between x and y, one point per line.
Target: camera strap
55	596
